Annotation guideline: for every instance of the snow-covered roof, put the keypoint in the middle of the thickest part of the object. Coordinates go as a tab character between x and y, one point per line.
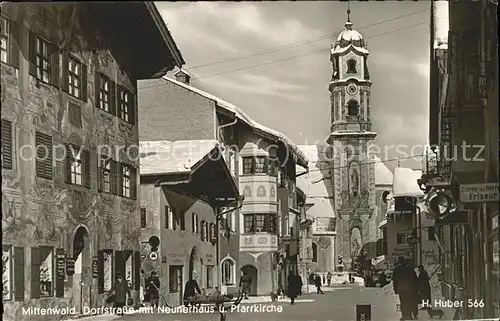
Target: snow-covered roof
301	159
166	157
405	182
383	175
349	38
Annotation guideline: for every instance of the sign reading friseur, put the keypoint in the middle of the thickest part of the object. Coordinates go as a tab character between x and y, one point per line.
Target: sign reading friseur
324	226
479	193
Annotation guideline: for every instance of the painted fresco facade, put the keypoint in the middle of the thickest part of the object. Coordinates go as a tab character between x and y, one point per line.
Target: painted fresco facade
57	219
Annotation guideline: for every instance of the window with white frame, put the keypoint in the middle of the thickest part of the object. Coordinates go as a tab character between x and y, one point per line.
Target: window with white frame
104	93
126	174
4	36
228	273
76	165
105	178
46	271
42	55
124	104
74	77
7	273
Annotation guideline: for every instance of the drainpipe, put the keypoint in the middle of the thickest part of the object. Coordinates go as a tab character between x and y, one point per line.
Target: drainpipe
224	126
217	228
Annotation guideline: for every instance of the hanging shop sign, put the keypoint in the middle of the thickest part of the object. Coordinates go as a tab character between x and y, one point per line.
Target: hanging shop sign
70	266
479	193
61	264
95	267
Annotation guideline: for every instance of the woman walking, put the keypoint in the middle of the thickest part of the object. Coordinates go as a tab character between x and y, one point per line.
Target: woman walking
120	291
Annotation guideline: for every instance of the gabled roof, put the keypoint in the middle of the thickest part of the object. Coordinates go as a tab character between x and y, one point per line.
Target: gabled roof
242	116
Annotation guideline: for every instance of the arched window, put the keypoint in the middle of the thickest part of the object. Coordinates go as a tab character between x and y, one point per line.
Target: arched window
228	272
315	252
351	66
353	108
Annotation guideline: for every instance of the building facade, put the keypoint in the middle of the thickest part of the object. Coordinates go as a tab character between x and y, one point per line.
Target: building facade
69	87
260	159
464	100
184	184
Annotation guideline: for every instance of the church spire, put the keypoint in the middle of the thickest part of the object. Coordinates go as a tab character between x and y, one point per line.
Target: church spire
348	24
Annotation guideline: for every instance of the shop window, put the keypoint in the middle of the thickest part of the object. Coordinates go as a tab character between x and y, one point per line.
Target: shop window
7	272
210	276
228	272
105	275
175	278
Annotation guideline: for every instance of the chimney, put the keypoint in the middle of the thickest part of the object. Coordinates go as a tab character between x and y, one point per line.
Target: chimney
183	76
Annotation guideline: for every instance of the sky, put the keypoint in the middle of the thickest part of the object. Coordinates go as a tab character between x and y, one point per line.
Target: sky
271	59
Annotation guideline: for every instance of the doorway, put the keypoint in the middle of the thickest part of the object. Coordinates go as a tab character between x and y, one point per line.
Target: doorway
252	272
82	278
194	266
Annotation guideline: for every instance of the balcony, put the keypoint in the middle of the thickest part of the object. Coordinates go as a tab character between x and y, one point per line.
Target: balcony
258	243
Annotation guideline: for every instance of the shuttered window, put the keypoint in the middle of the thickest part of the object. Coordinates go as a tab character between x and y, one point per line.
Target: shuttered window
86	168
43	155
19	274
104	99
7	259
143	217
74	76
6	144
114	177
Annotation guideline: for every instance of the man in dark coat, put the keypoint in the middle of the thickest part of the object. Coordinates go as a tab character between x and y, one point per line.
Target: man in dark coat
318	284
245	283
190	290
153	288
120	290
424	287
294	287
405	282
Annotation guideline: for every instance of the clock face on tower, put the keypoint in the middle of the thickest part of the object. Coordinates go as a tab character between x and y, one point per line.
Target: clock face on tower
352	89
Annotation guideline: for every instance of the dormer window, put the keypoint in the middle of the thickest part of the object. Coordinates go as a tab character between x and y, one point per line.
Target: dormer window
351	66
352	108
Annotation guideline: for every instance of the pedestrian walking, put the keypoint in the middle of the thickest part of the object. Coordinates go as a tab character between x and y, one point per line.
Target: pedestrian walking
245	284
329	278
301	284
424	287
190	290
294	286
153	288
120	290
405	283
318	285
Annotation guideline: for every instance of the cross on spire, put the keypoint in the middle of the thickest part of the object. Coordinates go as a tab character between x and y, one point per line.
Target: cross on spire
348	11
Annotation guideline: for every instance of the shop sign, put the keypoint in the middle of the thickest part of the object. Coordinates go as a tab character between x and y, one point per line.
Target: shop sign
70	266
61	264
479	193
325	226
95	267
176	257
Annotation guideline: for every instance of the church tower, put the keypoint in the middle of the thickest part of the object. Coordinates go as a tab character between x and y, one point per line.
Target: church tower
352	168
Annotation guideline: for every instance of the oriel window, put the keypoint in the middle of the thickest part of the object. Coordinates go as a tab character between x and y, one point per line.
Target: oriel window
248	165
260	165
248	223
